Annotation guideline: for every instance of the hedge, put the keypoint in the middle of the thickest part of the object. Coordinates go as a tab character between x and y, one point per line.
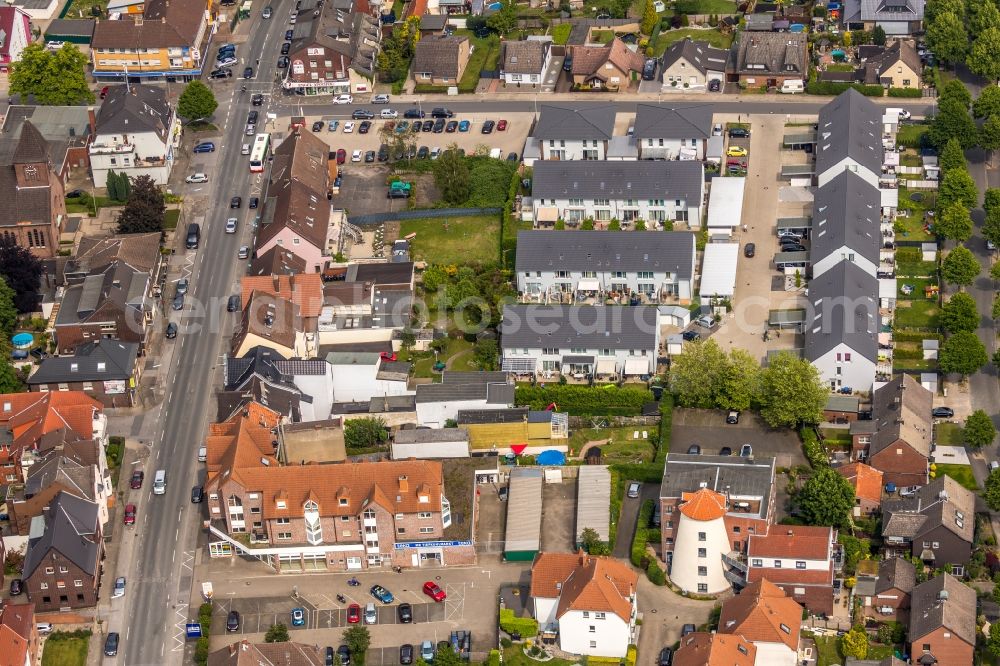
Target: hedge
631	655
813	448
655	574
579	400
906	92
639	541
525	626
666	421
913	336
494	658
835	88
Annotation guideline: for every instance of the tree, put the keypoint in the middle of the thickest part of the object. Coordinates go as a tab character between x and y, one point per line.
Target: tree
54	78
397	142
947	37
995	310
979	430
697	373
992	495
649	18
955	91
982	15
988	102
952	121
451	175
144	210
991	227
957	185
878	36
993	643
989	134
952	157
791	392
591	542
196	102
504	19
982	58
953	222
935	8
358	639
112	186
8	311
447	657
276	633
847	39
855	643
960	267
365	433
962	353
10	382
960	314
740	384
826	499
22	271
487	354
991	199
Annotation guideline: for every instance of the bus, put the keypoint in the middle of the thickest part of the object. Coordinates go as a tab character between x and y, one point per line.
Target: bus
258	154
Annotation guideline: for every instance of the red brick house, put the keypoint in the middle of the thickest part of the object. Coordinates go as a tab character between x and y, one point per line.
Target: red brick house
867	484
936	525
887	593
897	441
943	622
62	567
32	203
799	560
18	635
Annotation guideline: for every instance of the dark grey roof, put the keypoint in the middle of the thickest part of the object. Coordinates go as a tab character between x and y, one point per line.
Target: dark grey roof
845	306
63	127
653	121
71	528
656	251
381	274
97	361
941	503
766	54
901	410
523	57
454	377
641	179
427	436
257	361
391	307
497	393
849	127
557	121
684	473
135	108
894	11
895	573
75	476
847	212
70	28
438	55
943	601
477	416
578	327
700	55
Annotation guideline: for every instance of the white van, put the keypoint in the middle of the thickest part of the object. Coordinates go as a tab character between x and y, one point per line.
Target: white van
160	482
202	454
793	86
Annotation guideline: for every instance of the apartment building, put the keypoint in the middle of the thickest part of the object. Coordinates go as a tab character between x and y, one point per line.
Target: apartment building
136	134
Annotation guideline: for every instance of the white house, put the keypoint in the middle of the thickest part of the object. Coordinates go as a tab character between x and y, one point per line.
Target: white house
689	66
590	601
579	341
361	376
38	10
136	133
849	138
523	63
439	403
659	265
653	191
15	34
571	133
664	133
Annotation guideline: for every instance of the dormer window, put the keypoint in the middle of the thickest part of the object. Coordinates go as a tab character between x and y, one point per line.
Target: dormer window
314	529
280	504
343	501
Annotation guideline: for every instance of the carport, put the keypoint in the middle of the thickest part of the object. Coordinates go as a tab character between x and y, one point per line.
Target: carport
783	260
790	171
786	319
522	540
725	206
796	225
800	141
718	270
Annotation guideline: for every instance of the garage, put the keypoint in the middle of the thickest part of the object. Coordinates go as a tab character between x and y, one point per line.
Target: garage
718	271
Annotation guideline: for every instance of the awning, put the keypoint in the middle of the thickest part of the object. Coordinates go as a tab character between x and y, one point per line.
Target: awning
588	284
637	366
518	365
518	448
606	366
546	213
578	360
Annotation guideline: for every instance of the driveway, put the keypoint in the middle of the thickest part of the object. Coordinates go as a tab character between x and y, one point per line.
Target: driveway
559	516
664	613
708	429
629	516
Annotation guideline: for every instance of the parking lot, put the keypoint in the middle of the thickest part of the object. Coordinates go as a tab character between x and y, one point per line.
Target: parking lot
708	429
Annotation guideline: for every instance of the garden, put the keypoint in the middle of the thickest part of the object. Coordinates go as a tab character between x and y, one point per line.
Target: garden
454	240
66	648
622	446
917	314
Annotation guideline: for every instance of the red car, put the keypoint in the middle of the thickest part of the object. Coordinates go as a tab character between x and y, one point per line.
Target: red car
341	156
501	125
433	591
104	91
388	356
136	482
353	614
130	514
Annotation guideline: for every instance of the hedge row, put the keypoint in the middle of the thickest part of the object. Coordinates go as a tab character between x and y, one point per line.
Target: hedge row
666	421
835	88
639	539
813	448
510	623
580	400
912	336
906	92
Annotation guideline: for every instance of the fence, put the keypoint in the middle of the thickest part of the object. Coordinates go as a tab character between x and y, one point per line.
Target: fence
910	170
922	184
576	422
379	218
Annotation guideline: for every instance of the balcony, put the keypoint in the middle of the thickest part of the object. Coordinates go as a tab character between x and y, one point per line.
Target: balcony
735	560
735	577
111	148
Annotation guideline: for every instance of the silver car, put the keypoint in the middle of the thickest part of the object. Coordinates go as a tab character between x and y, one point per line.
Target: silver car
231	225
119	590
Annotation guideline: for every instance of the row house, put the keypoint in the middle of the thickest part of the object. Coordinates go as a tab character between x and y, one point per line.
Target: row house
333	49
663	133
19	635
886	595
579	342
336	517
653	191
366	304
936	525
801	560
567	133
710	507
273	322
592	266
169	41
32	197
867	483
899	437
136	134
943	628
441	402
107	370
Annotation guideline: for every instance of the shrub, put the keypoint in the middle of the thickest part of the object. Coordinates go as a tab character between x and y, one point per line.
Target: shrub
835	88
494	658
631	655
525	626
580	400
813	448
906	92
201	651
655	574
639	540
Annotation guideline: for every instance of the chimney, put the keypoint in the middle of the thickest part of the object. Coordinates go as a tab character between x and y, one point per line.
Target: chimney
404	484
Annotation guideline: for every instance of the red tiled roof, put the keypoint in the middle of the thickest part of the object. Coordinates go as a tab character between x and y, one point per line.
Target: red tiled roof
703	505
785	576
583	582
704	649
794	543
867	480
17	626
305	290
31	416
762	613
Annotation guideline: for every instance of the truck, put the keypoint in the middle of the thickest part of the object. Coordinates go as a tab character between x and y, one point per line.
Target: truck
207	592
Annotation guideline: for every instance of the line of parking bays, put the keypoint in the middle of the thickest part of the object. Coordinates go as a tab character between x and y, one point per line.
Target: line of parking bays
257	615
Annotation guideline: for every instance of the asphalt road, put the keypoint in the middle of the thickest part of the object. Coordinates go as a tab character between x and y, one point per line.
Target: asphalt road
160	568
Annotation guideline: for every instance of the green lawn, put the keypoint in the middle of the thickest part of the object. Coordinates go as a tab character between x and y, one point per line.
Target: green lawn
961	473
919	314
560	33
918	285
909	135
828	649
85	205
668	37
712	6
485	56
60	650
602	36
170	218
454	240
514	656
423	362
840	67
80	9
622	448
948	434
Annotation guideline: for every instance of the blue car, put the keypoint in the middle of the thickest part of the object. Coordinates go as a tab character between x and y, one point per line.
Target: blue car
463	126
298	617
207	147
382	594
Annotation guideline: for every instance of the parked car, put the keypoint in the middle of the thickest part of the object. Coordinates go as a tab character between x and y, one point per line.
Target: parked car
380	99
119	590
344	654
371	615
749	250
382	594
738	133
942	412
254	202
633	489
746	451
285	48
464	126
503	493
715	85
178	302
233	304
205	147
726	451
135	483
364	127
298	617
649	70
706	321
288	35
501	125
434	591
349	127
16	587
353	614
413	113
129	514
267	13
736	151
171	331
441	112
369	156
231	225
329	656
355	157
733	417
221	73
248	72
233	621
343	99
690	336
405	613
197	177
197	495
666	657
406	653
111	644
362	114
694	450
427	651
688	629
451	127
423	153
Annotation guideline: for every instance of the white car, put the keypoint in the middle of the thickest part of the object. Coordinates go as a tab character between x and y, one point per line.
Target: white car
348	127
343	99
119	590
388	113
435	153
717	129
231	225
196	178
54	46
380	99
250	130
225	62
356	156
245	150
